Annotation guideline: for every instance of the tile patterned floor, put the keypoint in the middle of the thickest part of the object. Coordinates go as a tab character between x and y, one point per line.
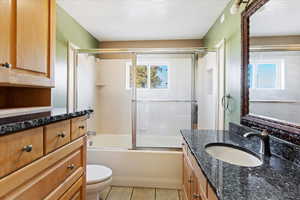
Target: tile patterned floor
129	193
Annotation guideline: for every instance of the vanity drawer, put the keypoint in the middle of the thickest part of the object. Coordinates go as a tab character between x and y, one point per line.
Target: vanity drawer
20	149
46	182
57	135
78	127
74	193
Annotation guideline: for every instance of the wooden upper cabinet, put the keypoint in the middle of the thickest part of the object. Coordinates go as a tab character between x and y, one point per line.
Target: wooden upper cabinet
33	35
5	35
30	38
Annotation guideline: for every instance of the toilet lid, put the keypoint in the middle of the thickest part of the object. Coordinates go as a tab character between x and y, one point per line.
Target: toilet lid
97	173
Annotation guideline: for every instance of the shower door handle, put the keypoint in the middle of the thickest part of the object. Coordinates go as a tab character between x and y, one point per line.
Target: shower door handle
225	101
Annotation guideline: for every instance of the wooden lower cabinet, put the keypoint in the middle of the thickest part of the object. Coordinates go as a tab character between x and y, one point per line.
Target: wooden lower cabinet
75	192
78	127
20	149
195	185
58	175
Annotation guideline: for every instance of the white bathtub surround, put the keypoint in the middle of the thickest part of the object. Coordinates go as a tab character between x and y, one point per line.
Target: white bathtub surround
159	169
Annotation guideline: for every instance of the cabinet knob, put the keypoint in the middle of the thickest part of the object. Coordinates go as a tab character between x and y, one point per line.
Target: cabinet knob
27	148
62	135
196	196
6	65
81	127
71	167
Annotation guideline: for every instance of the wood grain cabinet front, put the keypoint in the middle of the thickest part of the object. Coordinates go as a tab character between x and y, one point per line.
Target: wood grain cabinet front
20	149
44	163
78	127
42	185
6	53
28	27
57	135
74	193
195	184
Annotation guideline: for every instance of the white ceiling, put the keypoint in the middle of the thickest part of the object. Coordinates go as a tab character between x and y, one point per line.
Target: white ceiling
277	17
112	20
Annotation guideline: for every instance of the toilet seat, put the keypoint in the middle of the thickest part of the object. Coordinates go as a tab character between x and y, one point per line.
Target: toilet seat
97	174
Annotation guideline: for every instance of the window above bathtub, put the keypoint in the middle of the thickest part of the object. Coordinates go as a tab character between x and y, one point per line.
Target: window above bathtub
148	76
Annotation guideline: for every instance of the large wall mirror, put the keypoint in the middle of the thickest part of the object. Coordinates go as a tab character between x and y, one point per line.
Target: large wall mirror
271	67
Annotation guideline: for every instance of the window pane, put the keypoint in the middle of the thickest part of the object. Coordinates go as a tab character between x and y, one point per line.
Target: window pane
250	75
141	76
159	76
266	76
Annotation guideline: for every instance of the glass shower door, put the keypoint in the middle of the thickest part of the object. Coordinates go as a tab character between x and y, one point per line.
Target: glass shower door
163	100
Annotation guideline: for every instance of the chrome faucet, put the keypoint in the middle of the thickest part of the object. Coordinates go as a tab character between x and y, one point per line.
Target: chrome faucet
91	133
264	141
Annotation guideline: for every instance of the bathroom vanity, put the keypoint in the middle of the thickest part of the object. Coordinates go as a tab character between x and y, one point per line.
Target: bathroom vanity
208	178
44	157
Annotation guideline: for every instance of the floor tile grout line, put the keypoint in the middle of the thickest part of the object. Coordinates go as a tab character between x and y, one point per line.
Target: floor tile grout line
107	195
134	188
131	193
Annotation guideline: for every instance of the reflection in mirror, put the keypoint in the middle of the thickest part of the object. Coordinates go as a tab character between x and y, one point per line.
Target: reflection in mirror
274	63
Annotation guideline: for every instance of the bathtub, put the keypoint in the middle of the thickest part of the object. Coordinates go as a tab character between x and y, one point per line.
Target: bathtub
142	168
123	141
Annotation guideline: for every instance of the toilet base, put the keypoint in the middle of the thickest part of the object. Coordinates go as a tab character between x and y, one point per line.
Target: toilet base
93	190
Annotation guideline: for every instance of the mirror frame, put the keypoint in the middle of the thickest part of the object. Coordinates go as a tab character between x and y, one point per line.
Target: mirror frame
278	128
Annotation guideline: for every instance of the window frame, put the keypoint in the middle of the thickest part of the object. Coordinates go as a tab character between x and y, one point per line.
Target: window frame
148	64
280	73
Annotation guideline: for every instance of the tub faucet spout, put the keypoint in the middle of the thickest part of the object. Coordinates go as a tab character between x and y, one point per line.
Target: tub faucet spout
91	133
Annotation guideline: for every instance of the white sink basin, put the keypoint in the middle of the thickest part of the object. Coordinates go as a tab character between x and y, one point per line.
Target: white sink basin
232	154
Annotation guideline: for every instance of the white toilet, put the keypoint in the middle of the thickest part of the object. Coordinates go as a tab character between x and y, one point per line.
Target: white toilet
98	178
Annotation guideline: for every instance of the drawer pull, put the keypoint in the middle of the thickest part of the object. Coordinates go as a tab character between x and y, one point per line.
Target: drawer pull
81	127
6	65
196	196
71	167
62	135
27	148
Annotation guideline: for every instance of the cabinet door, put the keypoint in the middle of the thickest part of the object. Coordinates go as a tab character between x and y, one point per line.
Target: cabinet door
34	60
195	188
6	31
33	35
187	178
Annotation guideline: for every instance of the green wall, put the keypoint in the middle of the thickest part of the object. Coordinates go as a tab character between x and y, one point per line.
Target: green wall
230	31
67	29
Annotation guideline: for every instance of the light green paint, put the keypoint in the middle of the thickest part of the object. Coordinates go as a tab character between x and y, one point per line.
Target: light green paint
230	31
67	30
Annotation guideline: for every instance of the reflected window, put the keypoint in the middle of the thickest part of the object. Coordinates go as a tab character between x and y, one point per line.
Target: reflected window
266	74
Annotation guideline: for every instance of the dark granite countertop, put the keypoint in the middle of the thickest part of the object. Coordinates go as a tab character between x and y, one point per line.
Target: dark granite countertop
275	179
21	123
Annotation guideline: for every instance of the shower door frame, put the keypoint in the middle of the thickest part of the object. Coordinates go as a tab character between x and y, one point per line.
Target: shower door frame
134	52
